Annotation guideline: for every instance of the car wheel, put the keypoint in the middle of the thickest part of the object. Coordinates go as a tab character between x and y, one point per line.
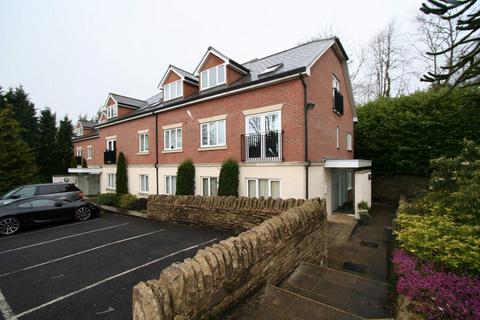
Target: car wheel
83	213
9	225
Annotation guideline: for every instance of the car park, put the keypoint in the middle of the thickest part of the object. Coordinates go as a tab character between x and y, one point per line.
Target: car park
30	211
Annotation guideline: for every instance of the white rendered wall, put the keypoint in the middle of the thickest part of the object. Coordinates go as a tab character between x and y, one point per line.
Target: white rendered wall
363	189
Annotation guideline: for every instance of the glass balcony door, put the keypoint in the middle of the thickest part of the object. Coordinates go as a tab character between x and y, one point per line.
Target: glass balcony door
263	138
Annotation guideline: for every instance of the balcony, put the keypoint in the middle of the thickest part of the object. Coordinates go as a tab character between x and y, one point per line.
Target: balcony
109	157
78	161
262	147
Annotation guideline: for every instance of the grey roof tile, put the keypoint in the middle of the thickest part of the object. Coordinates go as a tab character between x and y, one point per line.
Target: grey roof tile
128	101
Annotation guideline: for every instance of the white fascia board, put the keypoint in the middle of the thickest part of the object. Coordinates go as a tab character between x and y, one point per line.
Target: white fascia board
165	76
347	163
215	52
85	170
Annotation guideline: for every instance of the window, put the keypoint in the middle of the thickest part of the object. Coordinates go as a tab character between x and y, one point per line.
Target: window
46	189
263	188
171	185
24	192
24	205
172	139
338	138
89	152
213	77
210	186
79	152
79	131
349	142
212	134
111	111
143	142
349	179
42	203
337	98
111	145
173	90
143	183
111	181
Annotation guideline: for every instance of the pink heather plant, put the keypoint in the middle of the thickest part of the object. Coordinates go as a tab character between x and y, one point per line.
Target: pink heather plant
438	295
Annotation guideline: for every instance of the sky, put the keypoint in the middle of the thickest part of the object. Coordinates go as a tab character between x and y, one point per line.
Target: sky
68	55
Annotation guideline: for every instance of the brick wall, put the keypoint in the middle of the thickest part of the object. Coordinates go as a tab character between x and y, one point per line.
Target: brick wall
204	286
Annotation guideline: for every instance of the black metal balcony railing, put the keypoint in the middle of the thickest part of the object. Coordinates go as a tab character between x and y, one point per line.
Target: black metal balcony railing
262	147
109	157
78	161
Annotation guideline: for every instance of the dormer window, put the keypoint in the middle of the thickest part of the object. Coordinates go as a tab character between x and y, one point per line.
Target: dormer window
213	77
172	90
111	111
79	131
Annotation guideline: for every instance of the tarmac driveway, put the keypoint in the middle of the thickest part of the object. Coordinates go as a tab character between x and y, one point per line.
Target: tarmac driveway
86	270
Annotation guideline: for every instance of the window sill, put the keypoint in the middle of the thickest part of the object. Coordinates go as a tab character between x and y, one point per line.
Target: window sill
143	194
143	153
349	150
212	148
113	189
89	158
172	151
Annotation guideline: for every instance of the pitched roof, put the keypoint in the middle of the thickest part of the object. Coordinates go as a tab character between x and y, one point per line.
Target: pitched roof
87	123
131	102
294	60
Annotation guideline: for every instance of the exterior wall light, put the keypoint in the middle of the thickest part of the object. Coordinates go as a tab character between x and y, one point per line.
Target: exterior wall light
310	106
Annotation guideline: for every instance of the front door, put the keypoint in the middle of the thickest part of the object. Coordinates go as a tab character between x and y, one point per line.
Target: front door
339	188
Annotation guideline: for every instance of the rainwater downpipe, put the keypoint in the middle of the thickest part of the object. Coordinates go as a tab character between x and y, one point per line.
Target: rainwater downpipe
156	150
307	165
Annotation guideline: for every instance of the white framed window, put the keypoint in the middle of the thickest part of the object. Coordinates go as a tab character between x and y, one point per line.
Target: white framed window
212	134
213	77
143	183
349	179
79	152
111	111
143	142
349	142
263	188
172	139
173	90
89	152
210	186
79	131
338	137
171	185
111	181
111	145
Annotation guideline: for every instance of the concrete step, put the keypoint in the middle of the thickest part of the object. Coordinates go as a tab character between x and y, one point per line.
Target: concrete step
279	304
342	290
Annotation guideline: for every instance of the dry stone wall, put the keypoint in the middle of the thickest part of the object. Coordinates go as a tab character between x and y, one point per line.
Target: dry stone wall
230	213
216	277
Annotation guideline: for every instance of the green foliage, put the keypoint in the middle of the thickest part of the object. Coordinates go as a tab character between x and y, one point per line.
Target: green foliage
73	162
84	163
402	134
441	239
444	225
127	201
122	181
17	165
229	178
47	144
186	178
108	199
64	145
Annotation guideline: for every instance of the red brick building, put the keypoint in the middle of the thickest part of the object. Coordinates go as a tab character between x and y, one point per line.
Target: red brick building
286	118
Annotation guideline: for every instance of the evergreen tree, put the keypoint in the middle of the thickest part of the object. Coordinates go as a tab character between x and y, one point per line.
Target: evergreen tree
64	145
17	165
47	145
121	176
229	178
84	163
2	99
25	114
186	178
73	162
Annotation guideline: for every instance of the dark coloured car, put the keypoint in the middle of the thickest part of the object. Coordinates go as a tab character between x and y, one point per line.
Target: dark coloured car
40	210
61	191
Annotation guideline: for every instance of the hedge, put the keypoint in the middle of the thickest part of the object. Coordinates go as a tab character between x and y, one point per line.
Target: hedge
108	199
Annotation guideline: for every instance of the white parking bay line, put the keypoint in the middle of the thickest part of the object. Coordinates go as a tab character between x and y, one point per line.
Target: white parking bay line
93	285
80	252
63	238
5	309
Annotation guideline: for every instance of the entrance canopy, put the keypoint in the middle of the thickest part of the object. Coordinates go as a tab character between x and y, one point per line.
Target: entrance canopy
347	163
85	170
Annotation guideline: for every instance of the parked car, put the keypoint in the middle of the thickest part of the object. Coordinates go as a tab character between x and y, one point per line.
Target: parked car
40	210
61	191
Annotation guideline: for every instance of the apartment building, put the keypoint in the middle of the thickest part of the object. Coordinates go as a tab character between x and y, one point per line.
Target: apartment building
286	118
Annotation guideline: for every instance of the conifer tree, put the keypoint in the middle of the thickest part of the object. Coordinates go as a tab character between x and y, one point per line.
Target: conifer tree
47	145
17	165
64	145
121	176
186	178
229	178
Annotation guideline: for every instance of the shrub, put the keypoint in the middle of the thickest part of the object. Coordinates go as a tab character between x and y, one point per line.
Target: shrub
107	199
84	163
140	204
186	178
229	178
436	294
121	176
127	201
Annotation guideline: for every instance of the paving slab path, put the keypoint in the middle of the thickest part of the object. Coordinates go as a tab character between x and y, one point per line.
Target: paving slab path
352	286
